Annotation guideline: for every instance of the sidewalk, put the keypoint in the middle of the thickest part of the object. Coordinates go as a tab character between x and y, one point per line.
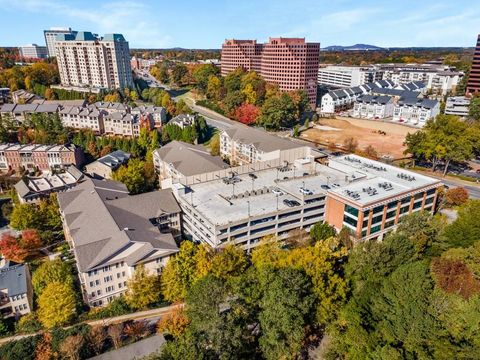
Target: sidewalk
140	315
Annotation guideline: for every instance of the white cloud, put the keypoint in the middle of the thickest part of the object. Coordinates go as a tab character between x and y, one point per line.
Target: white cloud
133	19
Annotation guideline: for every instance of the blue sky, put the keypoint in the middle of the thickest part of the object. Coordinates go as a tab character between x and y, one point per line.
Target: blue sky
205	24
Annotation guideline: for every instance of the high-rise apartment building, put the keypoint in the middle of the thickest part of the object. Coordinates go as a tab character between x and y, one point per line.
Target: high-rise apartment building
33	51
87	60
291	63
473	84
50	36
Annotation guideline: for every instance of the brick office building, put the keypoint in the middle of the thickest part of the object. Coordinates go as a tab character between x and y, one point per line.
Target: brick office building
473	84
291	63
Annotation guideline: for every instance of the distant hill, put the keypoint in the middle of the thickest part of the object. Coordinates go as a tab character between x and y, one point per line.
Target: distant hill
356	47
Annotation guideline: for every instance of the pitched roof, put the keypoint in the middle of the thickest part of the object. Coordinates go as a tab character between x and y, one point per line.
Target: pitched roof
260	139
105	221
14	278
114	159
190	159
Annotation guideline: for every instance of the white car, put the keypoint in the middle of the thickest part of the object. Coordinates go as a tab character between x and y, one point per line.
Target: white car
306	191
277	191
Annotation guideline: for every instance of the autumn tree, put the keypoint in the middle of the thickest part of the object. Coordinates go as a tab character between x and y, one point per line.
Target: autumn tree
143	289
456	196
136	329
115	332
247	113
44	350
56	305
10	248
71	346
49	272
96	338
174	323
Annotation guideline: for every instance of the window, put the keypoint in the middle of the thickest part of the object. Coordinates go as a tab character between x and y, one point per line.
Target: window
378	209
351	210
350	221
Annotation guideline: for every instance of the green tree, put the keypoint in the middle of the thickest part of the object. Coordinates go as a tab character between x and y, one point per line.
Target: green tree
465	230
214	86
322	231
178	73
474	108
49	272
143	289
202	74
137	176
277	111
285	307
56	305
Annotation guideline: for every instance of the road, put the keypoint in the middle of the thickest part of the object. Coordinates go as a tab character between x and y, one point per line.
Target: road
150	315
473	191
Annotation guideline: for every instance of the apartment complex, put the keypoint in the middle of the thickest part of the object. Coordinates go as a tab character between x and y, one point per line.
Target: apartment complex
347	76
51	36
416	112
457	105
36	156
373	107
112	232
16	294
291	63
177	161
275	197
440	79
101	117
473	84
245	145
33	51
90	61
34	188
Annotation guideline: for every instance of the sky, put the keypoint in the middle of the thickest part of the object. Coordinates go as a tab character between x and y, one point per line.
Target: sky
206	24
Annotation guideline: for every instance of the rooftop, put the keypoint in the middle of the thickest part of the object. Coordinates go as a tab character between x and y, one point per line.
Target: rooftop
262	140
14	278
377	182
224	204
190	159
105	221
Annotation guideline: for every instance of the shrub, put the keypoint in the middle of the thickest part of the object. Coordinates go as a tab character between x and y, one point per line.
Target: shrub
456	196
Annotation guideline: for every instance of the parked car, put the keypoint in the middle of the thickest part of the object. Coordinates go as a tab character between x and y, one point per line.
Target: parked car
325	187
306	191
253	176
277	191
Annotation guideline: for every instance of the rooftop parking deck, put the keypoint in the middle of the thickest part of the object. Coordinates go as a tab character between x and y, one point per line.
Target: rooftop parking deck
228	203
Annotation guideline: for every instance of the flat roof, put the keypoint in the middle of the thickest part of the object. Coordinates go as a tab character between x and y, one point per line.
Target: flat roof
380	181
215	200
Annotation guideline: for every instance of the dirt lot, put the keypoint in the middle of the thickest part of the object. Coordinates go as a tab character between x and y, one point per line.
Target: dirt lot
335	131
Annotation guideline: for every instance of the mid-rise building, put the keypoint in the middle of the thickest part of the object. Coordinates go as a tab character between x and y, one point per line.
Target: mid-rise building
126	124
177	161
347	76
244	145
112	232
42	157
373	107
473	84
16	294
83	117
457	105
51	35
275	197
90	61
291	63
416	112
106	165
33	51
